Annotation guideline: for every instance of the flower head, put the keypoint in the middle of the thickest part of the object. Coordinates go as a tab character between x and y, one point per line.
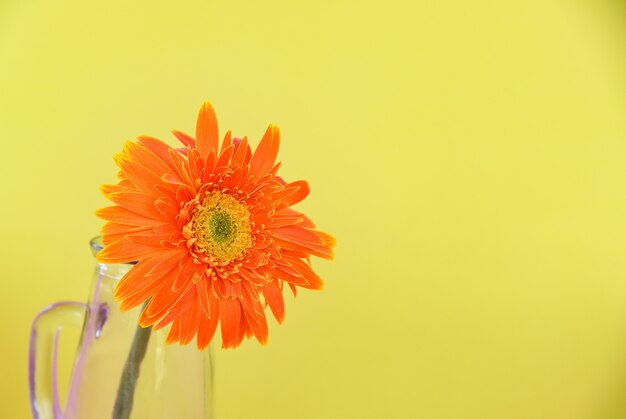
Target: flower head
213	233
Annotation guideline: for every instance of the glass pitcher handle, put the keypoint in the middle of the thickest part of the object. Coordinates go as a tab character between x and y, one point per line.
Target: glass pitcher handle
42	356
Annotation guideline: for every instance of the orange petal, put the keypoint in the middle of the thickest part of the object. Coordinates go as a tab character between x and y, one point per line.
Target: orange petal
122	251
109	189
140	153
182	305
137	287
243	331
303	246
184	275
329	240
291	193
139	175
209	166
307	222
274	297
241	151
286	266
123	216
300	280
314	281
206	130
298	194
185	139
208	326
182	168
111	227
158	148
173	335
259	327
189	323
227	141
158	237
204	297
127	286
296	254
230	319
196	163
167	208
225	156
139	298
298	235
284	221
220	289
248	308
163	300
253	276
166	262
265	154
136	202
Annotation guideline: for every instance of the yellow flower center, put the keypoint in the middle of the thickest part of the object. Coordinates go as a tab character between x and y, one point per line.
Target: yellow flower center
222	226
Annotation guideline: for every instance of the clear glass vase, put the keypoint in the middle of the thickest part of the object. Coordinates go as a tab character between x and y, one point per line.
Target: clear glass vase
173	381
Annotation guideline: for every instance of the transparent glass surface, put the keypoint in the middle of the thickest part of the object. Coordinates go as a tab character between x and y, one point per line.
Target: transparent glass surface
174	381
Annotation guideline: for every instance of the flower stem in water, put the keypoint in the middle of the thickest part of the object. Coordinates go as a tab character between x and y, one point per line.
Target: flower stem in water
128	381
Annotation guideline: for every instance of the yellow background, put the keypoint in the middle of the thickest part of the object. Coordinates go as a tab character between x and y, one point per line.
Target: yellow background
469	156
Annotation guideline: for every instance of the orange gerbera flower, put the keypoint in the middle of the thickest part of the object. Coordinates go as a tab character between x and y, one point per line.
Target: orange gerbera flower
213	233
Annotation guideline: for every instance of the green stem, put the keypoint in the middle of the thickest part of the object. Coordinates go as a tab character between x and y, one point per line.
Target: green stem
128	381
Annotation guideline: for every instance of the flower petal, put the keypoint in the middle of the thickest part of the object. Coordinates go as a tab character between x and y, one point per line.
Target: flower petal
184	304
265	154
190	322
242	150
140	176
174	333
292	193
230	319
163	300
274	298
123	216
314	281
129	285
259	327
185	139
206	130
184	275
136	202
158	148
208	326
140	153
204	297
227	141
122	251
